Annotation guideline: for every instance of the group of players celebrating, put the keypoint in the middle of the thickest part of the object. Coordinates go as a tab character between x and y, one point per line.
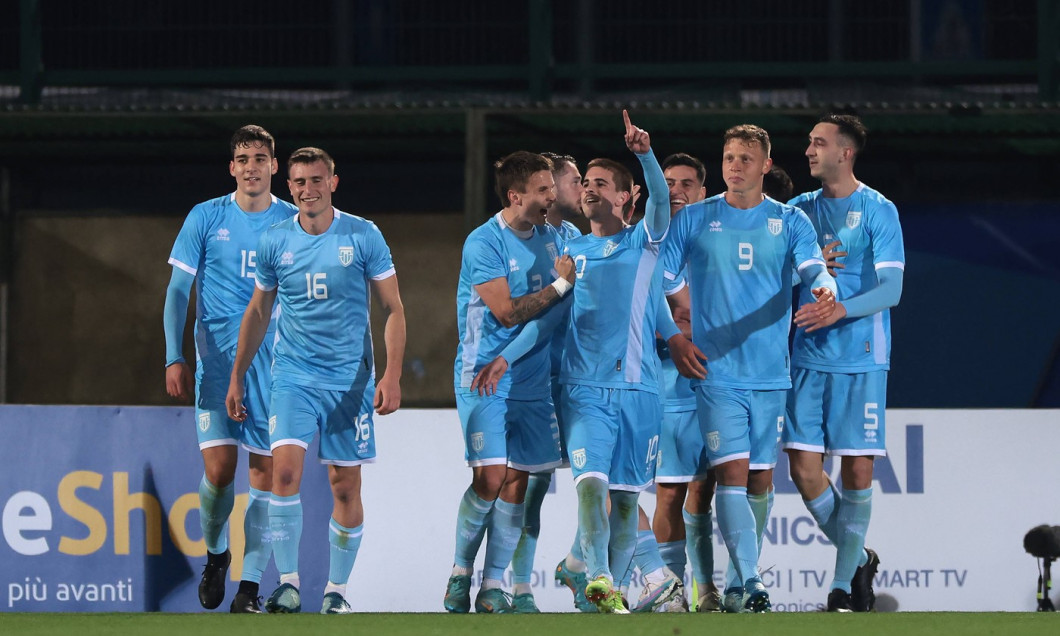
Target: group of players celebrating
659	352
655	352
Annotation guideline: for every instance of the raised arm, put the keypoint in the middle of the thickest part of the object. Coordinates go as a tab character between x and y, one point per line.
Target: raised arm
179	378
388	388
657	209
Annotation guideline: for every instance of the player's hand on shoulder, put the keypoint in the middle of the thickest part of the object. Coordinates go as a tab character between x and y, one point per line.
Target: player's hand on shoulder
486	379
179	381
637	139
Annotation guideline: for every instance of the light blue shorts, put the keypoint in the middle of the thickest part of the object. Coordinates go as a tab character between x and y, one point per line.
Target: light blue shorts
741	424
613	435
522	434
682	454
343	418
837	413
213	370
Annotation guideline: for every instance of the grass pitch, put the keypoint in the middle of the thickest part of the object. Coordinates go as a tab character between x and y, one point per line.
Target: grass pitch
781	624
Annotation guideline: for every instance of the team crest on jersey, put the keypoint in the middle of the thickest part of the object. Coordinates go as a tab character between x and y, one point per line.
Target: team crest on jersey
552	251
204	422
272	425
222	234
287	258
715	226
346	255
775	226
513	265
714	441
609	248
478	442
853	219
577	458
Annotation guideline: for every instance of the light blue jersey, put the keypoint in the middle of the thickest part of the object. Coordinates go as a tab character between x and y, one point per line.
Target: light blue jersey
322	343
493	251
739	270
611	333
568	232
217	245
867	227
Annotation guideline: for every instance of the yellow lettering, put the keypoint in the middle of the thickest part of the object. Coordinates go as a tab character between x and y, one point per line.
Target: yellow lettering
178	519
125	503
79	510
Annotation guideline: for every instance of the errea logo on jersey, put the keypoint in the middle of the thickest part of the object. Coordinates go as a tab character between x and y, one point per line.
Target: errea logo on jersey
346	255
715	226
513	265
222	234
287	258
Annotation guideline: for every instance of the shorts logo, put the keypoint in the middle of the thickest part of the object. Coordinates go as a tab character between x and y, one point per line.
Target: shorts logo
853	219
478	442
272	425
714	441
780	424
775	226
346	255
204	422
577	458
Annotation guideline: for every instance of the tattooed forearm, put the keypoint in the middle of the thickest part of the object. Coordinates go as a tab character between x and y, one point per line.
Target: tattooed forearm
526	307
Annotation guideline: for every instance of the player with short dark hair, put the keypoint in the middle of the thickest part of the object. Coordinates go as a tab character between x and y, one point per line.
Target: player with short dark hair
840	363
216	251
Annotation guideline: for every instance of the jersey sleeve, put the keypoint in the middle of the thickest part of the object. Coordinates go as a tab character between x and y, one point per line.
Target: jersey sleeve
888	248
379	263
189	248
803	241
484	260
265	272
674	253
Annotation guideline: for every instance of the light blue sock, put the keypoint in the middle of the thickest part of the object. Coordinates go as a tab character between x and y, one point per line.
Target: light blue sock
594	531
523	559
647	556
623	540
285	529
737	524
256	530
505	526
823	510
344	545
699	537
215	506
855	509
470	527
673	555
761	505
576	547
